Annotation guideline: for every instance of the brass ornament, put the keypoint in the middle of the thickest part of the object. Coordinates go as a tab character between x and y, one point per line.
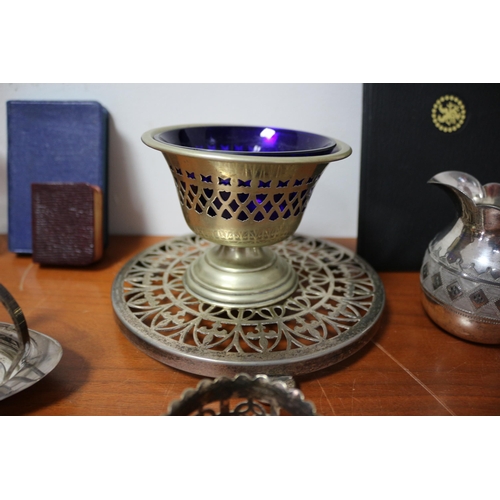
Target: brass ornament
243	204
448	113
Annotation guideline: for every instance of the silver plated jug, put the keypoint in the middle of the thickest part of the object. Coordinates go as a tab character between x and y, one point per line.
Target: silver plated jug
460	274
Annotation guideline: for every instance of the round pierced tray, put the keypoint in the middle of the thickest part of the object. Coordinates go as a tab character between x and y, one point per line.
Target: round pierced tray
332	314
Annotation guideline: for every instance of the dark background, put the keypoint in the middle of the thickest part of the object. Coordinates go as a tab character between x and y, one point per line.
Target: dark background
402	149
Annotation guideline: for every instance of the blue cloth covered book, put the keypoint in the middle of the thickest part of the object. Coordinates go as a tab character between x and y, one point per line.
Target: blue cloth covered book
52	141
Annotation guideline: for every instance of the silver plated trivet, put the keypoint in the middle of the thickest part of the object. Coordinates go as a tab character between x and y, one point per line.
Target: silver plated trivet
332	314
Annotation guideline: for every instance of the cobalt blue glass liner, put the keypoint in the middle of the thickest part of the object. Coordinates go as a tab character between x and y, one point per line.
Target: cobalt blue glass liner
247	140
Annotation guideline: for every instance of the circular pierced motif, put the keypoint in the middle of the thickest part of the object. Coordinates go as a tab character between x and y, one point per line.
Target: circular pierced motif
245	200
448	113
330	316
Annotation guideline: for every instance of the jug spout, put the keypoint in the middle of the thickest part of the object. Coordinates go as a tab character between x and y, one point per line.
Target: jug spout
464	190
478	206
474	240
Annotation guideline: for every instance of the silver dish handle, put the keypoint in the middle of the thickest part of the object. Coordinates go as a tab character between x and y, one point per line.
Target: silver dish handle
20	325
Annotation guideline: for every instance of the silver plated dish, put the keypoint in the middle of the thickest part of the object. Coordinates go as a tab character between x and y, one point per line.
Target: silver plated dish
26	356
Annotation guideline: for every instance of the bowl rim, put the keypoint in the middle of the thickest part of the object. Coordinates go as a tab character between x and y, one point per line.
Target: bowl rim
340	151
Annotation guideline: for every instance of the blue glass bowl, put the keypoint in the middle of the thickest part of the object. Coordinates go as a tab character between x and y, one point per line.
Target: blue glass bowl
247	140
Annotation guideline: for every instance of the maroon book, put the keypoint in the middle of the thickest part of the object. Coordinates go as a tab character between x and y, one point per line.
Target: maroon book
67	223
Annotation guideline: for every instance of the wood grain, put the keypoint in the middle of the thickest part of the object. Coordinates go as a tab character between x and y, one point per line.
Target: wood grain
411	367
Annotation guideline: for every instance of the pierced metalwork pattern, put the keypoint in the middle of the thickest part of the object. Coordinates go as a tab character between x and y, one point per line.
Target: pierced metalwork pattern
242	396
213	196
243	203
331	315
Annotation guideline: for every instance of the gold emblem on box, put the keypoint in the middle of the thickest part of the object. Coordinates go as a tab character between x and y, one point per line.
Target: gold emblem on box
448	113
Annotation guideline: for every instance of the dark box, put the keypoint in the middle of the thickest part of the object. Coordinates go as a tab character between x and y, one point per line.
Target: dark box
410	133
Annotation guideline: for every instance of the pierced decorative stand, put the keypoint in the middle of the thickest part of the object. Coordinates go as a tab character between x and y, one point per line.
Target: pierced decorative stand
332	314
243	294
242	396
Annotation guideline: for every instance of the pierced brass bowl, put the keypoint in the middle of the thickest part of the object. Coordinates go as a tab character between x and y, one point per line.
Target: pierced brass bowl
243	201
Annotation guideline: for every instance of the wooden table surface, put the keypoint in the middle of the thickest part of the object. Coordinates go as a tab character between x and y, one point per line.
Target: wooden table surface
410	367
